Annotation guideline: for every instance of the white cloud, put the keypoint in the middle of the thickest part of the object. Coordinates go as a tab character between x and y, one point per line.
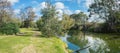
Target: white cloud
60	13
118	2
95	18
37	8
60	8
59	5
77	11
17	11
88	3
43	5
34	2
67	11
13	1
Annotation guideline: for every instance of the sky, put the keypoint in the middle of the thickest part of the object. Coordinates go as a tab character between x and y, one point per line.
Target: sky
71	6
62	6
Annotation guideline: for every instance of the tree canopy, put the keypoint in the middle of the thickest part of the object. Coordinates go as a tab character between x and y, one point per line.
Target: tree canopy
107	10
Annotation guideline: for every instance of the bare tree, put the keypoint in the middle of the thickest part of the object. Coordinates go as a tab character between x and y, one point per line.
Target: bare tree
5	11
27	16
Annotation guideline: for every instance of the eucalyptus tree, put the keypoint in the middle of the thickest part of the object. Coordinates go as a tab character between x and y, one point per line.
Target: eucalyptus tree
106	9
7	24
80	19
22	17
5	11
66	23
48	23
27	16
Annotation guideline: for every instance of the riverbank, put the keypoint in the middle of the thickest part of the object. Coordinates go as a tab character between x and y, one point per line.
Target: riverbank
27	43
100	43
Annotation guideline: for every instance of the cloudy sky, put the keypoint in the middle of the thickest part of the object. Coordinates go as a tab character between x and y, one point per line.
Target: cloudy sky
66	6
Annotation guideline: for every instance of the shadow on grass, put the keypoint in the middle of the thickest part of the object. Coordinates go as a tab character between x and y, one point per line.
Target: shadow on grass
31	34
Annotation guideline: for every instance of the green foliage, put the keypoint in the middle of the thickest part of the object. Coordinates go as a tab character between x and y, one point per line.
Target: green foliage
49	28
50	25
9	28
27	16
39	24
6	12
66	23
33	25
79	18
16	20
7	22
107	10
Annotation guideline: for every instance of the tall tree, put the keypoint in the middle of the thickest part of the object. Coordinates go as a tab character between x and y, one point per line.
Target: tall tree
5	11
7	24
80	19
106	9
48	22
67	23
50	25
27	16
22	17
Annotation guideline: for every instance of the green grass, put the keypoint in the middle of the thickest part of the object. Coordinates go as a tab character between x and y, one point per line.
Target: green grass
29	44
27	29
13	44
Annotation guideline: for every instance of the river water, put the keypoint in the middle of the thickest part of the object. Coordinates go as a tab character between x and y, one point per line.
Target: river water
99	43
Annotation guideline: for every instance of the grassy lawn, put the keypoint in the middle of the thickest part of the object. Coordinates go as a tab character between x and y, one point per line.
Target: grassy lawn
30	44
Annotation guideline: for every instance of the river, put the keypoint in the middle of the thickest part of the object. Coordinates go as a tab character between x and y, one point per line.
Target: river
99	43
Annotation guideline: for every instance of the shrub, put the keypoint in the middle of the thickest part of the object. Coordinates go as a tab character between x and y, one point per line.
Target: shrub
9	28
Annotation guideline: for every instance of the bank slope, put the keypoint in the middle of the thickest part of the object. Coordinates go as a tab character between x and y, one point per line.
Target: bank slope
24	44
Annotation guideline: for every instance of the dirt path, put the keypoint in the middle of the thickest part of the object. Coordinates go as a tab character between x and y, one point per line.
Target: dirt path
36	34
29	49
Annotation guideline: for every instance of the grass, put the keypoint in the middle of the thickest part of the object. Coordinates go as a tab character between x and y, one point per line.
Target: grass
29	31
13	44
30	44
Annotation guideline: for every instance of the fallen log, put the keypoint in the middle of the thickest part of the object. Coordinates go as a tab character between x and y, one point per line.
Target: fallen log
81	49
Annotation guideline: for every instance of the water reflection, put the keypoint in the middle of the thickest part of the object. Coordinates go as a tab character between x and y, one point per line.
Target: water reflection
97	43
70	45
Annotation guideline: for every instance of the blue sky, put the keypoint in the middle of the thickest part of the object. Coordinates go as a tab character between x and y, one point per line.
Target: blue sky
62	6
73	5
68	6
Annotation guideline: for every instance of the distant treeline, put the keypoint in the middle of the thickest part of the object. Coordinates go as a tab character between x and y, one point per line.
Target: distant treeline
51	24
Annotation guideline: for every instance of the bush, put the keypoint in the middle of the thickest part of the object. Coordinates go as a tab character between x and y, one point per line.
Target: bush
9	28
